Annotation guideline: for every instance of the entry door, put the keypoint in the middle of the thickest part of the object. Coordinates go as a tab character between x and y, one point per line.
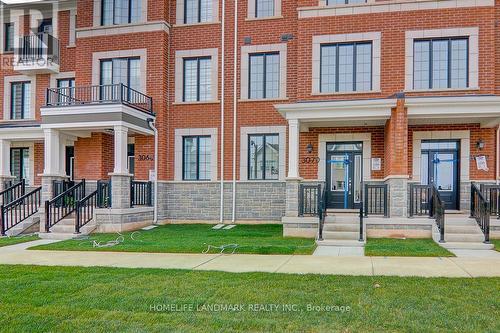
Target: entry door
20	164
70	162
343	179
440	167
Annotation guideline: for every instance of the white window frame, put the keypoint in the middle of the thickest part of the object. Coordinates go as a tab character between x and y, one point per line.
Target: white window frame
472	33
246	51
8	80
180	133
31	150
373	37
245	132
251	11
179	13
179	73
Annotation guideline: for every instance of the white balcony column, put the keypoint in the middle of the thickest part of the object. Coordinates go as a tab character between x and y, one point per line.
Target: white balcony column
293	148
5	174
52	152
121	141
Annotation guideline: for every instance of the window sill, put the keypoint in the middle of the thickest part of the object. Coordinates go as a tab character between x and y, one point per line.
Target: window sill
247	100
72	46
340	93
196	103
263	18
183	25
8	52
441	90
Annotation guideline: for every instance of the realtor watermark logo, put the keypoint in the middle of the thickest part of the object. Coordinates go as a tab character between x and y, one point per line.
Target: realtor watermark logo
252	307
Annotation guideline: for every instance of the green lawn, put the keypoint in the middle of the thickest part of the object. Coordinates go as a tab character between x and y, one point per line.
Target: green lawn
410	247
6	241
496	242
195	238
69	299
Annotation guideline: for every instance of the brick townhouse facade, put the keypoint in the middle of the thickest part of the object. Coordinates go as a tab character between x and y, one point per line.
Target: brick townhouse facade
253	102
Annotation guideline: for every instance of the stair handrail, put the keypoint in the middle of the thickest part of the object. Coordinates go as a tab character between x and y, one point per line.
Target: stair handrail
361	213
321	209
437	211
85	210
56	209
29	204
480	211
13	192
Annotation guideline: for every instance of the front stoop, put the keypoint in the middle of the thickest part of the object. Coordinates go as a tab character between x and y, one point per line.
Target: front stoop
341	230
65	229
28	226
461	233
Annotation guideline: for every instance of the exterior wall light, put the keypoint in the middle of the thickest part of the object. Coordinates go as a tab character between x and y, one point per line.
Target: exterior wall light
480	144
309	148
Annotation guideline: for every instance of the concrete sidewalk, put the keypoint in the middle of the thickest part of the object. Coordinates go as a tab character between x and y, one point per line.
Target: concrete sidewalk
299	264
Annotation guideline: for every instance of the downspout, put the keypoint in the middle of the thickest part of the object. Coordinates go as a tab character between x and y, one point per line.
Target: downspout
151	123
235	101
223	39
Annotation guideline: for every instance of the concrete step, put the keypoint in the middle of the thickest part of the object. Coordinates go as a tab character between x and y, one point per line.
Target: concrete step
462	229
353	227
344	219
464	238
347	243
58	235
467	246
30	225
340	235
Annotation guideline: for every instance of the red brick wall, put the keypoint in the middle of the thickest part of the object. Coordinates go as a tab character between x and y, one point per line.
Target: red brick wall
396	141
94	157
39	158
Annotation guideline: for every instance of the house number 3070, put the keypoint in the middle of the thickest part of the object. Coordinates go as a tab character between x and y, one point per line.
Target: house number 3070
310	160
145	158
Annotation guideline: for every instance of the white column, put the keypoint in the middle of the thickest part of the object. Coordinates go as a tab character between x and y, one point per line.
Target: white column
4	158
52	151
293	148
121	136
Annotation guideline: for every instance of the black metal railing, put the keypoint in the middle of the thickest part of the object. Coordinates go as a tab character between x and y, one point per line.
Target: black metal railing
322	212
480	211
19	210
104	193
376	199
309	199
13	192
420	200
492	194
41	48
61	186
362	210
101	94
141	193
85	210
63	204
437	211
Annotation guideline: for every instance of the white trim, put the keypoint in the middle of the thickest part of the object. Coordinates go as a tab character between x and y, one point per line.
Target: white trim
471	32
251	10
31	153
366	138
374	37
463	136
179	13
59	76
72	28
21	133
98	12
141	53
179	72
123	29
373	7
179	134
245	132
8	80
245	54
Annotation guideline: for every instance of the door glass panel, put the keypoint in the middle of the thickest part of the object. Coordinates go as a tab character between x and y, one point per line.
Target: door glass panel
444	171
424	169
338	173
344	146
357	178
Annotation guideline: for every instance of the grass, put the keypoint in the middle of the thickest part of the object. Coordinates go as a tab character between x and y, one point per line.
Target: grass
496	242
6	241
69	299
409	247
195	238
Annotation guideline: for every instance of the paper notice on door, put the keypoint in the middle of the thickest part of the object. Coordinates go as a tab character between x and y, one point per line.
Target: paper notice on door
481	163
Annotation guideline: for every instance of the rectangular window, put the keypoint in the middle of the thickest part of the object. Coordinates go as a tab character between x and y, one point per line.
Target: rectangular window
9	37
263	157
66	90
20	100
346	67
20	163
120	11
121	70
441	63
197	79
264	8
264	76
197	11
196	157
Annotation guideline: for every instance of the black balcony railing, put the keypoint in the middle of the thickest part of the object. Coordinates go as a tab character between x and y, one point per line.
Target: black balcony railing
41	48
102	94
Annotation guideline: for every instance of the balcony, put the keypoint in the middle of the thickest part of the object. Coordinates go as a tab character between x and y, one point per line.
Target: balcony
97	108
37	54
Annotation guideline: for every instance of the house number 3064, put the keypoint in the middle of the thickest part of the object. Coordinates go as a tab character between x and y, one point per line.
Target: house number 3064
145	158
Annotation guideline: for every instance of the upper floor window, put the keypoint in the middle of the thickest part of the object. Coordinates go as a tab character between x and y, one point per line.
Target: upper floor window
121	70
66	91
9	37
346	67
264	8
197	11
263	156
343	2
264	75
20	100
197	78
120	11
441	63
196	157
